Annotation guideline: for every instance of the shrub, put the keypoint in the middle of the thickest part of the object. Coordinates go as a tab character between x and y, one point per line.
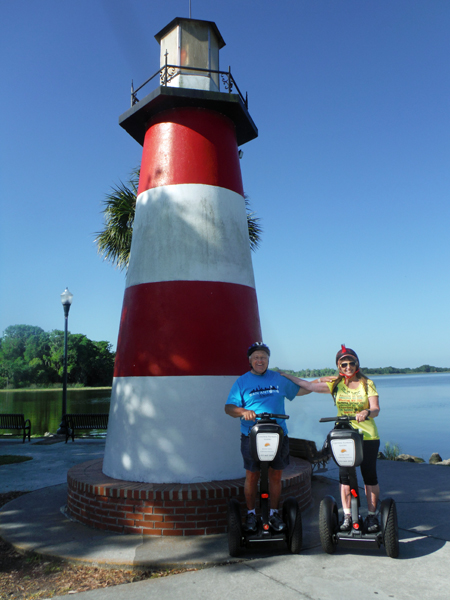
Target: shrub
391	452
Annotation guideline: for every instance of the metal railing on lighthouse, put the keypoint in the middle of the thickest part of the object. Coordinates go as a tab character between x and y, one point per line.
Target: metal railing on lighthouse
169	72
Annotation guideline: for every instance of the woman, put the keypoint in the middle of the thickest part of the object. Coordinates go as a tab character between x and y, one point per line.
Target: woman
356	395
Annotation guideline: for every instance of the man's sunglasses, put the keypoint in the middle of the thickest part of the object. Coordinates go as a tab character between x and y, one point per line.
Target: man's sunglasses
349	364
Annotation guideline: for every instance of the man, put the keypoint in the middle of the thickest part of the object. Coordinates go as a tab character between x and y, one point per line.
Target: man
261	390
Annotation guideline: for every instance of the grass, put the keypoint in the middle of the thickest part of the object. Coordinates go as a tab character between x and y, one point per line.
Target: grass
391	452
9	459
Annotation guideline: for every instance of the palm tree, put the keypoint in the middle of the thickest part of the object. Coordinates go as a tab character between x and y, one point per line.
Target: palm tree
114	242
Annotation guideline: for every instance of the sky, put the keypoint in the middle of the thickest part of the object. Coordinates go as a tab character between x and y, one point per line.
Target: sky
349	174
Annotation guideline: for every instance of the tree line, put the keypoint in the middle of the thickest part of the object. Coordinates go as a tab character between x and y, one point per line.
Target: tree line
30	356
305	373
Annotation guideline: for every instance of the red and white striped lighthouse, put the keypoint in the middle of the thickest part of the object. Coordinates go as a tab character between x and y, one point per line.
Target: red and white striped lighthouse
190	308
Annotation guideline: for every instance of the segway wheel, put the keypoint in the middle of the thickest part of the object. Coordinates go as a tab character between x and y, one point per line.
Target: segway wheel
234	528
292	516
328	524
389	527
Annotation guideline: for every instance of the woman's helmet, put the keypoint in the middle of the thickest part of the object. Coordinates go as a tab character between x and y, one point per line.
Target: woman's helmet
258	346
346	352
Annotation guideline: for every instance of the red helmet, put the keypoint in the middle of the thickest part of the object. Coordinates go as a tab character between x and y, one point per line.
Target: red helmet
346	352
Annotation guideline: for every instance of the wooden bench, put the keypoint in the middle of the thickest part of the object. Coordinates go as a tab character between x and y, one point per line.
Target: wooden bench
85	422
16	421
307	450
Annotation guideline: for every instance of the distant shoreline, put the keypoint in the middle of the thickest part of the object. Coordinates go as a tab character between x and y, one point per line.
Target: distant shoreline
408	373
54	389
304	374
378	372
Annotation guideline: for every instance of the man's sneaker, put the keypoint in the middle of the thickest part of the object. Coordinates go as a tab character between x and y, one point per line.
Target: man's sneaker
372	525
250	522
276	522
346	524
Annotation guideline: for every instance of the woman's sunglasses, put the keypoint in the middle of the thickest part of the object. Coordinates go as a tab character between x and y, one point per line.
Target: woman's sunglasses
349	364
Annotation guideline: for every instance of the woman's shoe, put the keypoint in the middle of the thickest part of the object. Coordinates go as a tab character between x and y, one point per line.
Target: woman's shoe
372	525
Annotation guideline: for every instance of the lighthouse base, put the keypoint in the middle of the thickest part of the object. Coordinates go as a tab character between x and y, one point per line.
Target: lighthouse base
101	502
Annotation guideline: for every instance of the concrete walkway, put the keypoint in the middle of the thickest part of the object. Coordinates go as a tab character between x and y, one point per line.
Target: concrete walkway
422	493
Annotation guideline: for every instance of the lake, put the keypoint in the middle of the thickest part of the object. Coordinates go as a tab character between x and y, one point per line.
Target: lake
43	407
415	414
415	411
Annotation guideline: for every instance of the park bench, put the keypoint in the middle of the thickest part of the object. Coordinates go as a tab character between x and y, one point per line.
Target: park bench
85	422
307	450
16	421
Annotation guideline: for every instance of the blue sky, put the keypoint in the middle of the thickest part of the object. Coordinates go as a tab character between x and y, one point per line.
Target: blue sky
350	172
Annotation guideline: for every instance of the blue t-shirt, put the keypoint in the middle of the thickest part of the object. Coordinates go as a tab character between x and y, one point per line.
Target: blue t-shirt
262	393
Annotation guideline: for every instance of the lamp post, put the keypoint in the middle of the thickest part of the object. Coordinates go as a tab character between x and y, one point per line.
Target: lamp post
66	299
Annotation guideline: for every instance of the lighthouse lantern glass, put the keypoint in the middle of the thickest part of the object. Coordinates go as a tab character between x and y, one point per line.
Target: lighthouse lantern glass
192	44
169	44
194	47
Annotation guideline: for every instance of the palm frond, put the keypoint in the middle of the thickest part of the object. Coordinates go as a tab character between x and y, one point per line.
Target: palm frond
114	242
254	227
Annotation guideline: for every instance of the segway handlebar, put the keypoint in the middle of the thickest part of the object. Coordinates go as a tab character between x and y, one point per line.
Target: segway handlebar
271	416
342	419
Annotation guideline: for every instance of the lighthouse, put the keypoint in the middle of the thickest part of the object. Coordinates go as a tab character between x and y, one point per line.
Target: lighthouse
190	308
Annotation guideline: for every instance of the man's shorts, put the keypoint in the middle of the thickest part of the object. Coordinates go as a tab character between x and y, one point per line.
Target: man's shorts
281	460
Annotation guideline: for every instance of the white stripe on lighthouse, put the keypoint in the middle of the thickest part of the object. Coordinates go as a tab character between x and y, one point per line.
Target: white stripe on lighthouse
197	233
172	429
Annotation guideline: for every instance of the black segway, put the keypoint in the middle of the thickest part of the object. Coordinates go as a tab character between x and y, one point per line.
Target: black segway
346	446
266	439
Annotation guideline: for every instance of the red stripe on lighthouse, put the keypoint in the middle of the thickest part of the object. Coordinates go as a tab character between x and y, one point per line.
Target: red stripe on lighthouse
177	328
190	145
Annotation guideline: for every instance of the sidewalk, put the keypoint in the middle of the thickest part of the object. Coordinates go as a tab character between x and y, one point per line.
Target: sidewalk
422	494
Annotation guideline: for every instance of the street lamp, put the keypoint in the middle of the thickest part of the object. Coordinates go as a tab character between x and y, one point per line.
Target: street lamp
66	299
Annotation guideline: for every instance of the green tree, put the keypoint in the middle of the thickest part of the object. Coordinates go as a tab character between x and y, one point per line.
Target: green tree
15	338
103	365
31	356
19	346
114	242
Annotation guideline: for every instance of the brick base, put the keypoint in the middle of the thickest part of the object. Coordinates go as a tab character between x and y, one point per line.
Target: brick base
165	508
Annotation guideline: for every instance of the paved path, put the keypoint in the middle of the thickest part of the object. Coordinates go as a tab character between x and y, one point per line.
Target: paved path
422	494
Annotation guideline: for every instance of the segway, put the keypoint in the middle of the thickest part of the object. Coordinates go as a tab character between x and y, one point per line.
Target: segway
346	445
266	439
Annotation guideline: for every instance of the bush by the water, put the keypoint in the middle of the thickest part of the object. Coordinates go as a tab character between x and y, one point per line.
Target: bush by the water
391	452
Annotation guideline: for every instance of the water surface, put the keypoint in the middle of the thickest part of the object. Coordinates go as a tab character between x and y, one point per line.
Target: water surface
415	413
44	407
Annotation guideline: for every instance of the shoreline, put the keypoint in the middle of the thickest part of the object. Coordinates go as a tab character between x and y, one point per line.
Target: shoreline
54	389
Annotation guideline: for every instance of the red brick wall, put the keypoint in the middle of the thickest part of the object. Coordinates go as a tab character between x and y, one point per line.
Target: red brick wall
165	509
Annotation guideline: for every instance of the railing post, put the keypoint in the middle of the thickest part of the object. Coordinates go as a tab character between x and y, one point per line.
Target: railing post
165	69
229	79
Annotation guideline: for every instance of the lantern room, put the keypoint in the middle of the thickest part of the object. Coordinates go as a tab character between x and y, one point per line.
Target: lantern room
190	49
